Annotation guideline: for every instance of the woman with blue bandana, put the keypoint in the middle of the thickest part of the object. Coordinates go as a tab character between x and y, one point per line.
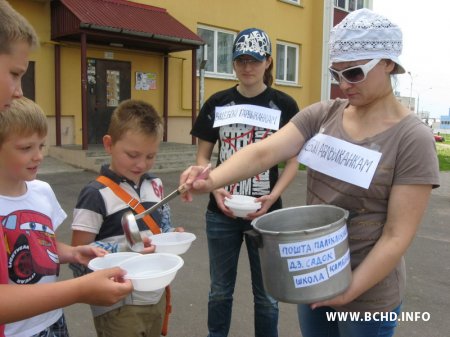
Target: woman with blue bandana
386	206
234	118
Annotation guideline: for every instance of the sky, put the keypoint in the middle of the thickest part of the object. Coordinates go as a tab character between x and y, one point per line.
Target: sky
426	50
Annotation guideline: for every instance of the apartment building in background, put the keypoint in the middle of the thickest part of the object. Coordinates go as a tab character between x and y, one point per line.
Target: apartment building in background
173	54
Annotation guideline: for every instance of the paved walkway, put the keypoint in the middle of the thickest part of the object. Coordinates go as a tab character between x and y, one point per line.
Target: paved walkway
52	165
444	189
427	264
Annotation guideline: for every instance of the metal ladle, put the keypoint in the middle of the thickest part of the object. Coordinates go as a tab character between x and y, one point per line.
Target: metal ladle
129	223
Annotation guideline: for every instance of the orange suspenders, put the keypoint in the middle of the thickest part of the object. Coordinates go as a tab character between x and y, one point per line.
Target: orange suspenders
151	224
130	201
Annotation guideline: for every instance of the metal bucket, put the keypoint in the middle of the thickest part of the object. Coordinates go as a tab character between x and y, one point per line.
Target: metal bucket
304	252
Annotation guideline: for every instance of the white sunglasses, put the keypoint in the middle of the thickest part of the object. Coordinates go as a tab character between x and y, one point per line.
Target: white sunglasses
354	74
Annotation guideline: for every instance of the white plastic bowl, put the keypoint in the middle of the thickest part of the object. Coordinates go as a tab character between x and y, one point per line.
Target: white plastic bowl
152	271
110	260
238	199
172	242
242	205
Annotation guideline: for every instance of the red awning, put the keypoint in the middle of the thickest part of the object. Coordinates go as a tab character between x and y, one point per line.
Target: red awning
134	25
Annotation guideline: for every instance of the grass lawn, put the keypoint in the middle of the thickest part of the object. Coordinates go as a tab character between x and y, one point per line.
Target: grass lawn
443	151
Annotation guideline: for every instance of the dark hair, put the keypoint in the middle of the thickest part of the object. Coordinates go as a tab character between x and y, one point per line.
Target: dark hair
268	76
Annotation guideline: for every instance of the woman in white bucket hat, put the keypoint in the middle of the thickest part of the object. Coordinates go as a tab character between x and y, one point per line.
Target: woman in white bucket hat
368	154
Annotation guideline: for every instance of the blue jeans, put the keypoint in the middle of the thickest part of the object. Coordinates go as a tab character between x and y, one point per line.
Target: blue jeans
315	323
225	236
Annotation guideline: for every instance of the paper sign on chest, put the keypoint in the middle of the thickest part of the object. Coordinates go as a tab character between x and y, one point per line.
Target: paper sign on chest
247	114
340	159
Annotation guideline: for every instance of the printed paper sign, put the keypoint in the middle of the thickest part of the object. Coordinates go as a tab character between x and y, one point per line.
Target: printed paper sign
247	114
145	81
340	159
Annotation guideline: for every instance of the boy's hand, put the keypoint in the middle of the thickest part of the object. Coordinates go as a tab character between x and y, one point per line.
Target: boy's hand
84	254
148	247
104	287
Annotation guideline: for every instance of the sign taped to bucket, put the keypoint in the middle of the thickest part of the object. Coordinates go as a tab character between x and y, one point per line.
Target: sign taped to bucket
323	274
315	245
325	258
312	261
304	252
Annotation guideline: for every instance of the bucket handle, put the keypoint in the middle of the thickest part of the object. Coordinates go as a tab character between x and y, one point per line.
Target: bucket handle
255	237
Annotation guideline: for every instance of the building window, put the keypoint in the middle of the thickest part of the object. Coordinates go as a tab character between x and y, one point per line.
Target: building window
287	63
349	5
219	51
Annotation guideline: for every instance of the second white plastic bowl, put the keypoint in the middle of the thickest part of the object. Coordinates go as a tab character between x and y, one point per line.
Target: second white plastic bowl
152	271
242	205
173	242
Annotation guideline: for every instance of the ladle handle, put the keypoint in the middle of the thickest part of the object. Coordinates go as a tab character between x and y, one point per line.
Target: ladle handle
180	190
158	204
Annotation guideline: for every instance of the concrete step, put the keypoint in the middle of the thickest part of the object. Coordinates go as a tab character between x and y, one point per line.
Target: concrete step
162	155
172	157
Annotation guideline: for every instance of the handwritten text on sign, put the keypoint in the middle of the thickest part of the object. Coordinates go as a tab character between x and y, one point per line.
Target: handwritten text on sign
312	261
339	264
312	246
323	274
340	159
247	114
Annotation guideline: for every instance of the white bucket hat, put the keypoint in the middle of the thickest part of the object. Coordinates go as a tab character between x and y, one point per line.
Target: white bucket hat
364	34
